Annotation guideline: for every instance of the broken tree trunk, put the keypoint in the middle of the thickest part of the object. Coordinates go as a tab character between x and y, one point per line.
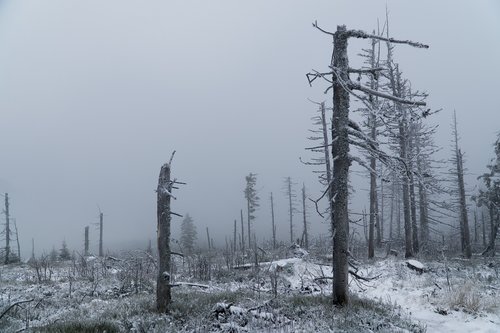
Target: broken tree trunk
340	154
163	296
242	232
86	242
272	222
7	230
101	252
304	232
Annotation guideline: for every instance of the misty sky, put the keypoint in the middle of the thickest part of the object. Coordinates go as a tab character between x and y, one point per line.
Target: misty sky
95	95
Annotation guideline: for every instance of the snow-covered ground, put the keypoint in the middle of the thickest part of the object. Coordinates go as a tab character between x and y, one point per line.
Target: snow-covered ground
285	295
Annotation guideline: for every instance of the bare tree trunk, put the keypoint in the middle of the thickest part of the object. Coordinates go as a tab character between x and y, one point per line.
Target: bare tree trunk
490	249
86	242
164	193
33	249
248	223
340	155
290	206
372	123
403	146
327	163
242	232
7	229
413	205
101	252
17	241
464	221
397	89
422	200
391	217
208	240
234	238
306	235
475	227
484	228
371	225
406	202
399	211
272	222
463	207
381	222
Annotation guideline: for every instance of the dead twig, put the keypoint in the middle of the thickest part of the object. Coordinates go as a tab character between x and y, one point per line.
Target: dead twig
15	304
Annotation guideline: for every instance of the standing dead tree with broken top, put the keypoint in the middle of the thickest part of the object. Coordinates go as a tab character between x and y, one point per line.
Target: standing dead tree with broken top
345	133
164	213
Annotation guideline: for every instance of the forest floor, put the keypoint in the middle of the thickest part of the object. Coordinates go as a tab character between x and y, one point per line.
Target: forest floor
117	294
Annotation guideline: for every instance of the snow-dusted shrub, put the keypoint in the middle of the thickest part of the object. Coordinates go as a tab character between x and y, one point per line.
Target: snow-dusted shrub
471	298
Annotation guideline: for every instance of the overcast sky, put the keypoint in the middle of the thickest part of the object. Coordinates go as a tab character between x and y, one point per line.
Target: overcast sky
95	95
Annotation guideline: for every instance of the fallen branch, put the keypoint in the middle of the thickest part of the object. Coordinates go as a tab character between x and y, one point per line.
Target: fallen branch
177	254
178	284
15	304
353	273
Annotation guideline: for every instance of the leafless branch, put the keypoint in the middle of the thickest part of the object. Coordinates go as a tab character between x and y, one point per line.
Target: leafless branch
366	70
357	86
315	24
171	157
15	304
362	34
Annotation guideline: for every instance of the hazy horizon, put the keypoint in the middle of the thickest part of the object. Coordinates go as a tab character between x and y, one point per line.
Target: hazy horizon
94	97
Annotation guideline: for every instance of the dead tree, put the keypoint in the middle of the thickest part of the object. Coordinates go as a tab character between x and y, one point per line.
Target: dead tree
164	213
475	228
32	249
462	200
7	230
422	194
325	175
273	226
490	197
234	237
208	240
86	242
342	130
242	231
291	196
374	62
412	179
252	202
483	227
17	242
305	235
101	218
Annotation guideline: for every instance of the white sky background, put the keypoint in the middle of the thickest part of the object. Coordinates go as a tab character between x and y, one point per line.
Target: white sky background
94	96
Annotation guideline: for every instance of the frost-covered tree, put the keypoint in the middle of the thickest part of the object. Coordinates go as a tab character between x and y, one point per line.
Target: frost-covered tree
252	202
290	193
490	197
459	191
345	132
188	234
64	253
320	134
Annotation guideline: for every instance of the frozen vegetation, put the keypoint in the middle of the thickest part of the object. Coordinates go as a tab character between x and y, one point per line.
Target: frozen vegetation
290	291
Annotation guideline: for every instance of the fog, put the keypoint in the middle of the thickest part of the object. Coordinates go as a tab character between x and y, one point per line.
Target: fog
95	95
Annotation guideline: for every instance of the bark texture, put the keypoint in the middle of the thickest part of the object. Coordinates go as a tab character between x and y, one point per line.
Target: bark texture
340	154
163	295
